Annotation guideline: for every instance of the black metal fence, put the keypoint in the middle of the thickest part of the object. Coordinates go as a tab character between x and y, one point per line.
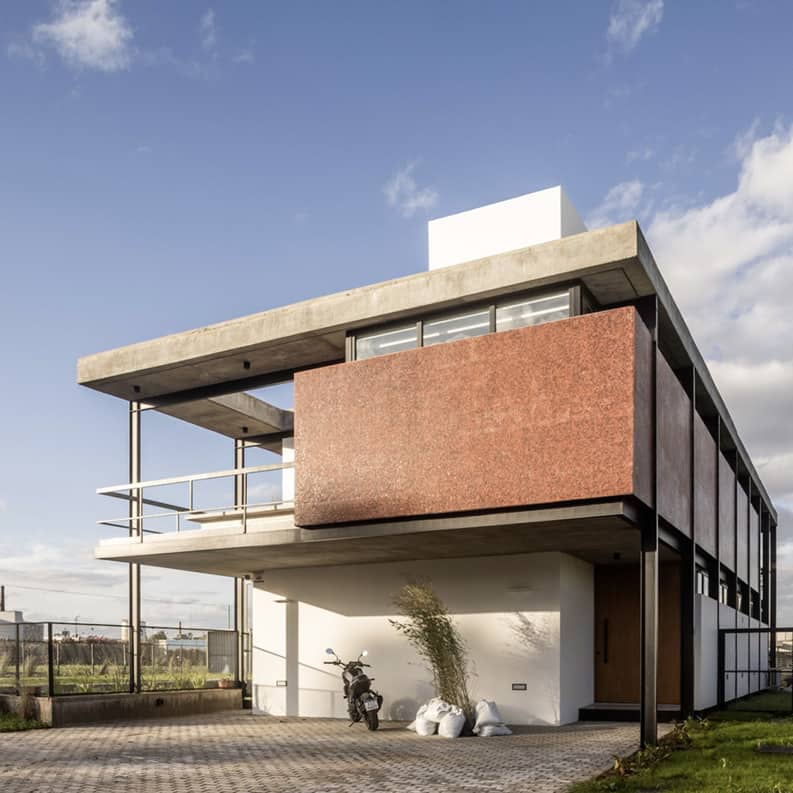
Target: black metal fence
755	669
58	659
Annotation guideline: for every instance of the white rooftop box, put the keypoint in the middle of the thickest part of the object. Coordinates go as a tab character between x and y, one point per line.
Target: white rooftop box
505	226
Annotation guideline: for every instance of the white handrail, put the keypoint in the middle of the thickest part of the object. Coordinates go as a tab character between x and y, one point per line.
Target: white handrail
175	480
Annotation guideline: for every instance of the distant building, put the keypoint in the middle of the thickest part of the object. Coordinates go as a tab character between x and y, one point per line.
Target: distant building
29	631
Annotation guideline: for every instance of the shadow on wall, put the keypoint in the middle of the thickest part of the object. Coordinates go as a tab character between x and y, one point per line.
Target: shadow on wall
534	636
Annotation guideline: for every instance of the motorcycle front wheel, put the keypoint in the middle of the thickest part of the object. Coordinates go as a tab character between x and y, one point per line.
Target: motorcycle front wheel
372	721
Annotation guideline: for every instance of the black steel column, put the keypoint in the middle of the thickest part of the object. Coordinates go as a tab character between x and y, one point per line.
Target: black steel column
772	595
648	576
689	577
240	593
135	530
50	663
736	485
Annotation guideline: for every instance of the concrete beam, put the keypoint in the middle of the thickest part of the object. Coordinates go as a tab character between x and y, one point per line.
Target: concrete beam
233	415
312	332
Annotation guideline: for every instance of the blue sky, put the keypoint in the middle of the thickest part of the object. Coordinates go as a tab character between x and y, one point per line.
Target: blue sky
168	165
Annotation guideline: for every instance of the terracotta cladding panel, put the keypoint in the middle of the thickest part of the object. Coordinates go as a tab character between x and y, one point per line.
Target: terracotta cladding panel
643	420
742	538
726	513
530	416
705	486
674	481
754	548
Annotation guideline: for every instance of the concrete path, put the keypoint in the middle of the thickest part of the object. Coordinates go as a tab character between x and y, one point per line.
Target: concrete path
238	751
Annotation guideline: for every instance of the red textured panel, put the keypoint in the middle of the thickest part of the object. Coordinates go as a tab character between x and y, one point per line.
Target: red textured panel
531	416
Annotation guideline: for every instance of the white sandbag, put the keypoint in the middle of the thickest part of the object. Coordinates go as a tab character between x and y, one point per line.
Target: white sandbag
436	709
451	725
486	714
422	725
411	726
489	730
425	727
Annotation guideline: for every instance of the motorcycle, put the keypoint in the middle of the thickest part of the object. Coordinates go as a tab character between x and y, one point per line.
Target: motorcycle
362	701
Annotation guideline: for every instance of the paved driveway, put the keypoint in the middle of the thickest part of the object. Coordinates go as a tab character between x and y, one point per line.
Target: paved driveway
238	751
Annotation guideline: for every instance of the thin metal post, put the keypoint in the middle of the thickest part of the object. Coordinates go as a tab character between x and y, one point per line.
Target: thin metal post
50	665
135	530
648	575
689	577
720	667
240	592
772	594
19	652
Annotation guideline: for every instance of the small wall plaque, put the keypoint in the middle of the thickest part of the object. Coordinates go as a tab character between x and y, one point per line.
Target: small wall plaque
280	683
518	686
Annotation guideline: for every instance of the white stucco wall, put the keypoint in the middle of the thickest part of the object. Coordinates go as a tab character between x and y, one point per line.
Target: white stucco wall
577	614
348	608
505	226
706	652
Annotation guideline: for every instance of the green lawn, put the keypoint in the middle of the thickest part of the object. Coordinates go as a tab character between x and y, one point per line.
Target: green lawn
722	758
10	722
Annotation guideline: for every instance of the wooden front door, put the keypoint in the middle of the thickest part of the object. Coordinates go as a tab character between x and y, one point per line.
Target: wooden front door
617	634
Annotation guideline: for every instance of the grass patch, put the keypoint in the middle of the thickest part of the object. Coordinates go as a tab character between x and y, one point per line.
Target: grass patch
766	701
10	722
712	756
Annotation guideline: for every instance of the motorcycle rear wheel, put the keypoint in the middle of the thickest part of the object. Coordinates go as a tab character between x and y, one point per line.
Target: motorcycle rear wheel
372	721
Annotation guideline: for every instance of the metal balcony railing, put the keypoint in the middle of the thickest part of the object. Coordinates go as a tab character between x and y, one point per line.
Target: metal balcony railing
236	506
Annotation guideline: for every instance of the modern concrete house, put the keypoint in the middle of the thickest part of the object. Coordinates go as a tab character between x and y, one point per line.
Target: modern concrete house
528	425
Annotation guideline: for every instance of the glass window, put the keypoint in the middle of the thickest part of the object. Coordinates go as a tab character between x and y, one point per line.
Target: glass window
460	326
703	582
534	311
367	345
724	593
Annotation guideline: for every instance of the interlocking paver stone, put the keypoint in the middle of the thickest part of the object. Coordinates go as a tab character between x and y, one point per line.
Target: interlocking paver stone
240	751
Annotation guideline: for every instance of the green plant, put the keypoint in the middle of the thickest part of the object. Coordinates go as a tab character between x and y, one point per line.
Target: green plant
429	627
29	666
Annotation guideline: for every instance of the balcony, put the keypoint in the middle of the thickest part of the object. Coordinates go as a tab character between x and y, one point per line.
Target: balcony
151	518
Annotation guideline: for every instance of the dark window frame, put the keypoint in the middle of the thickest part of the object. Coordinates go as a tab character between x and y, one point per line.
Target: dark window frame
580	302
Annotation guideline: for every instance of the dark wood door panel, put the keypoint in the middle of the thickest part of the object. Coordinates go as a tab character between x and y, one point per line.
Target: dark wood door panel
617	634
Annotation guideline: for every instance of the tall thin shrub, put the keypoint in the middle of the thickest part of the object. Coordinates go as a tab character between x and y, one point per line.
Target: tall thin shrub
429	627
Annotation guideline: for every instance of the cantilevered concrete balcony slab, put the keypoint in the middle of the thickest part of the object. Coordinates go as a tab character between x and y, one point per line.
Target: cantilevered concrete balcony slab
235	416
594	532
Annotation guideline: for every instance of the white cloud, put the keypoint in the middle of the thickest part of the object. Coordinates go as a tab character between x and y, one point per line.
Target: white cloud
24	50
632	19
56	582
618	205
243	56
640	154
729	264
208	32
91	34
402	193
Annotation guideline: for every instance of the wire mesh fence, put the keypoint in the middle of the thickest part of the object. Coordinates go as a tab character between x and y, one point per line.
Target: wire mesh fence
60	659
756	669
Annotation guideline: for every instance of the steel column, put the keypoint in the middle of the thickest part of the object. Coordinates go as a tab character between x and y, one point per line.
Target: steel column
240	593
772	594
135	530
689	577
648	577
